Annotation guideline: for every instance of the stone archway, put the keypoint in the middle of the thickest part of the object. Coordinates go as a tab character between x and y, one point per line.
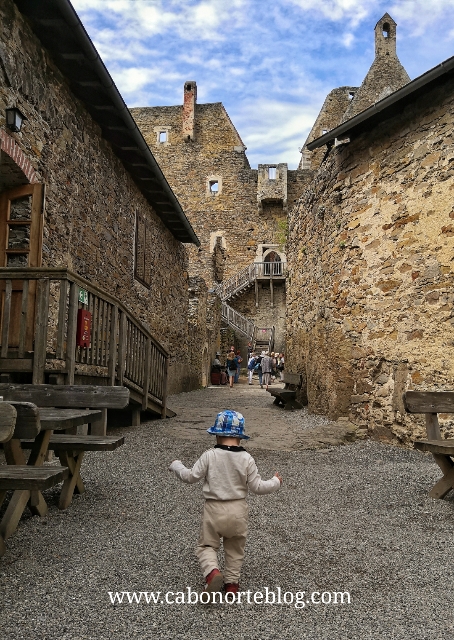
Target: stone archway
15	168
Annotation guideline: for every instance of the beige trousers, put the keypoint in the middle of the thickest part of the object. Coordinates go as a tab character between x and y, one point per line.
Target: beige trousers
226	519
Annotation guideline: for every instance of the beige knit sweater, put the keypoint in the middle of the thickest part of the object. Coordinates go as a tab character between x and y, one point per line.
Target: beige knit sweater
228	475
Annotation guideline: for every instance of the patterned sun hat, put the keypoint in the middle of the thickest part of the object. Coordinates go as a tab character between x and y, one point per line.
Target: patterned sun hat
229	423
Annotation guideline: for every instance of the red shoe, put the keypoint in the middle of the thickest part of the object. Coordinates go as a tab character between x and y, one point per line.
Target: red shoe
214	581
231	587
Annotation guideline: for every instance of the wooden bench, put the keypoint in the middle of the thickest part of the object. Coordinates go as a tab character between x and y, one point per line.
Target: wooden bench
287	396
71	448
431	403
26	480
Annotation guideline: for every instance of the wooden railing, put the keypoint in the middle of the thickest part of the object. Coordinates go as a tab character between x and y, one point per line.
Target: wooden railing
38	335
261	338
237	321
247	276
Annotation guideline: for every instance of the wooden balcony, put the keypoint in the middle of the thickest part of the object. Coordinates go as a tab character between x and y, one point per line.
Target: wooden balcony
39	315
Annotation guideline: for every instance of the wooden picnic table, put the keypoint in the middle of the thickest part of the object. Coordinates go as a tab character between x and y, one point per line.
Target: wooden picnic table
38	424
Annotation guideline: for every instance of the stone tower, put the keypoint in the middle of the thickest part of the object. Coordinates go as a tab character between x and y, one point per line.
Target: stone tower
386	74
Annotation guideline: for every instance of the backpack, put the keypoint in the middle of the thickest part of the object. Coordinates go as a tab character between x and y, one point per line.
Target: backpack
231	365
251	365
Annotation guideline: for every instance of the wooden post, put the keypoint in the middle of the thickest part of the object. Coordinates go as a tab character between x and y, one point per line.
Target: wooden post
99	428
60	351
6	318
146	377
71	333
122	349
40	340
432	427
113	345
23	319
271	289
256	293
135	417
164	396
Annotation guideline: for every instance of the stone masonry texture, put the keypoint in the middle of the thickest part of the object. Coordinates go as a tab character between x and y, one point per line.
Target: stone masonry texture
370	293
246	211
91	200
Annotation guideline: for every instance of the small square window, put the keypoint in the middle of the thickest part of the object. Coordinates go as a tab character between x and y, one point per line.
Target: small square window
271	173
163	136
214	186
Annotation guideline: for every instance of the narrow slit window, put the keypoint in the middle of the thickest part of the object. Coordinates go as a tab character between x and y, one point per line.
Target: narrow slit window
214	187
271	173
163	136
386	30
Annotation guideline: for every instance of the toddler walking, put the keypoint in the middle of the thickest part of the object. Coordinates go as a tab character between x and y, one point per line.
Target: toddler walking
229	472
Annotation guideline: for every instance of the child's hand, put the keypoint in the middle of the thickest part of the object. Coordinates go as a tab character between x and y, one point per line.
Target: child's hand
276	475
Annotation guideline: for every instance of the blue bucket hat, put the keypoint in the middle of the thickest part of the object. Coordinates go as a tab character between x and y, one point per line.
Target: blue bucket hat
229	423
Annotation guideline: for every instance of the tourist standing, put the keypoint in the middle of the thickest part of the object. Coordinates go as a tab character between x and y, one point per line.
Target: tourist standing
251	366
273	366
258	368
266	369
239	360
280	365
232	366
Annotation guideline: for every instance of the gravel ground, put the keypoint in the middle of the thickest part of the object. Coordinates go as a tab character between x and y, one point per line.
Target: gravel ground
354	518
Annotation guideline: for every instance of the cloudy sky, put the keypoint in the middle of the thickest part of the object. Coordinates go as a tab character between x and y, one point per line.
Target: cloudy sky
270	62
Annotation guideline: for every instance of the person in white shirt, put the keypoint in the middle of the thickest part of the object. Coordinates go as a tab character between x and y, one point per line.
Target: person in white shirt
228	472
250	367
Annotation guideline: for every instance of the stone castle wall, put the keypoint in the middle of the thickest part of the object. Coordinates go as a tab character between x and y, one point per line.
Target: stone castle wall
370	293
235	215
91	200
216	153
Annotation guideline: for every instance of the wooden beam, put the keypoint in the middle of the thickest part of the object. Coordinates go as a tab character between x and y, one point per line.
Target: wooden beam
429	401
71	332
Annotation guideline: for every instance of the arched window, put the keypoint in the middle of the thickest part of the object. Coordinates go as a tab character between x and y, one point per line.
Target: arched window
272	264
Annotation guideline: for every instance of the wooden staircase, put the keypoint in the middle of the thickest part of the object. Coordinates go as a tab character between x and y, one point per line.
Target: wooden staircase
249	276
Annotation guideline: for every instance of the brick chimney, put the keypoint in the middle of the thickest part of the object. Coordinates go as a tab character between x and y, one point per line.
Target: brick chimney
189	102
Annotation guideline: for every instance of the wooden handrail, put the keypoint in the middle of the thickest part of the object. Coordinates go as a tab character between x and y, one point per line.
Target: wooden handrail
248	275
121	349
61	273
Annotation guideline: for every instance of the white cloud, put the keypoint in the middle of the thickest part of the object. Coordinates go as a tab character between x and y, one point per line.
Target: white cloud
348	39
273	130
416	15
143	18
270	63
354	10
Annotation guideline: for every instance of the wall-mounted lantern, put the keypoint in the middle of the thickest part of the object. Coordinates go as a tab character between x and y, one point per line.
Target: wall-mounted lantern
14	119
